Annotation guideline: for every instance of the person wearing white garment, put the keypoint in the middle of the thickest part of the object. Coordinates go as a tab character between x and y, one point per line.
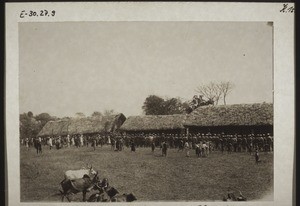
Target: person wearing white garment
81	140
50	142
68	140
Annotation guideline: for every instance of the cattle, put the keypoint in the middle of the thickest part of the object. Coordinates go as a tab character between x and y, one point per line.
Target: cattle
76	174
75	186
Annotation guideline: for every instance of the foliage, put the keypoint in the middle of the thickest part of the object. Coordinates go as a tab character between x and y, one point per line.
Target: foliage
108	112
43	118
97	114
79	115
31	125
155	105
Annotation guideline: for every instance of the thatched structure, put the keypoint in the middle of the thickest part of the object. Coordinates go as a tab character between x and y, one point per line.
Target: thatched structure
233	118
154	123
87	125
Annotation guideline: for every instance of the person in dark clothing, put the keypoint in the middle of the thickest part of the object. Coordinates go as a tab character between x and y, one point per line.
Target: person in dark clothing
94	143
198	150
132	146
164	149
257	160
153	146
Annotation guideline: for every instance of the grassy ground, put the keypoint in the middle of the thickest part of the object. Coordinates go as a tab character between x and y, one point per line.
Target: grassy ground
149	176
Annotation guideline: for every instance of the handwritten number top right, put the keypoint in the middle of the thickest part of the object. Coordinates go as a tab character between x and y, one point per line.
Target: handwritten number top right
287	9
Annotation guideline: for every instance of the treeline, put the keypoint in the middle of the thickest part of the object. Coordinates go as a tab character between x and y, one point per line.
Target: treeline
31	125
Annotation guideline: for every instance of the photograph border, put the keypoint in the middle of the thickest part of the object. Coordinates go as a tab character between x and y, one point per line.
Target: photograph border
283	68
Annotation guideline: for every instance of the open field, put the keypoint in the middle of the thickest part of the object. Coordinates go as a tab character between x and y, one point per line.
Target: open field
149	176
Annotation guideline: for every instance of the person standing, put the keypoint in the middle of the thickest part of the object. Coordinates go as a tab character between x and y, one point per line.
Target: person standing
204	150
72	141
164	149
94	143
132	146
153	146
81	140
257	160
187	148
198	152
50	142
27	143
68	140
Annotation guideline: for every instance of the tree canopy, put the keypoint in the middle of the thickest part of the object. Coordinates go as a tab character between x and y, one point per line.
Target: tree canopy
155	105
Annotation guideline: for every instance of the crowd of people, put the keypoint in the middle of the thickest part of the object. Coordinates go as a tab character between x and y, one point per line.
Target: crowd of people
201	143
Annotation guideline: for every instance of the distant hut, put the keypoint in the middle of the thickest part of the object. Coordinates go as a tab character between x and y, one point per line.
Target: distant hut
154	124
54	128
236	118
87	125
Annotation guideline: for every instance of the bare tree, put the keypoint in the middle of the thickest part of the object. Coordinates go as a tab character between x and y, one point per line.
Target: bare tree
215	91
210	91
225	88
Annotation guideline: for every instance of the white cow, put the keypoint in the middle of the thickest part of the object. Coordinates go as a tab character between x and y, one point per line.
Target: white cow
77	174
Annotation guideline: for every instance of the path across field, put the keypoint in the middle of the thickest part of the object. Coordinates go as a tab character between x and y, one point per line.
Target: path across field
150	177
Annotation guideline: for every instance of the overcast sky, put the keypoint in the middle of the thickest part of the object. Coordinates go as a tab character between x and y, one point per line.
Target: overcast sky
92	66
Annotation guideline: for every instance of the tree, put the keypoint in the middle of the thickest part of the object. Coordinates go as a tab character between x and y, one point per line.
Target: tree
153	105
44	118
79	115
29	126
172	106
215	91
210	91
97	114
225	88
109	112
30	114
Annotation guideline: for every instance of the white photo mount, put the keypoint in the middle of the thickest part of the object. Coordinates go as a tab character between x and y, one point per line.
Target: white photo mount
280	14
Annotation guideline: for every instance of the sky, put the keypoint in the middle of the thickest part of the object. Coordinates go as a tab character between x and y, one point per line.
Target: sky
71	67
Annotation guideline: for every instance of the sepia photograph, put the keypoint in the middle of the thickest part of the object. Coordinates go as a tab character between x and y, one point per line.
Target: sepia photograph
147	111
183	109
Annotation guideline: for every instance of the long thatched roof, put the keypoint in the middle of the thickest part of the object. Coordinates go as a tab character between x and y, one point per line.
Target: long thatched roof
232	115
83	125
153	122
